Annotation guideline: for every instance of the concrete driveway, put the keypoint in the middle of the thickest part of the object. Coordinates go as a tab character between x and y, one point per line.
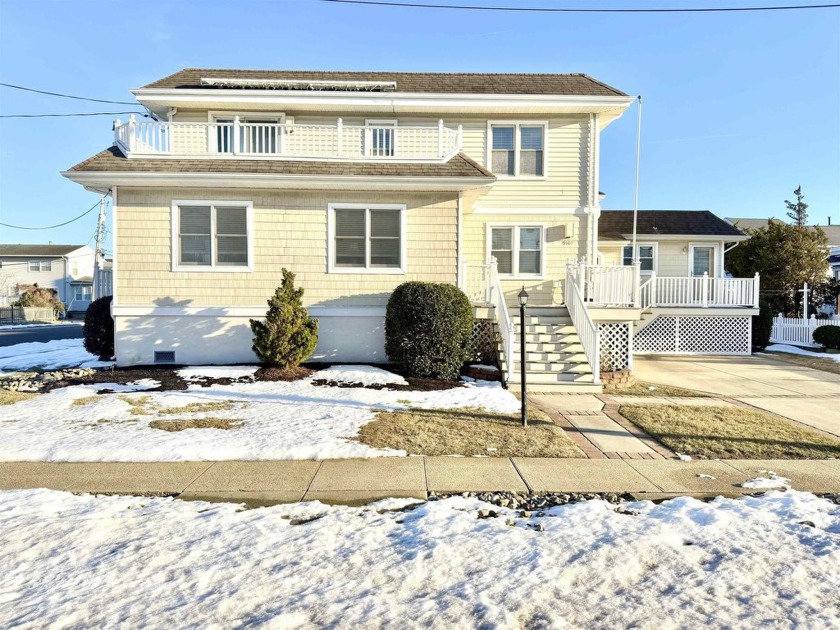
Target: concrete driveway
808	396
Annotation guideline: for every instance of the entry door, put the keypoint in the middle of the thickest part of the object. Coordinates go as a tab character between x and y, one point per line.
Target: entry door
703	260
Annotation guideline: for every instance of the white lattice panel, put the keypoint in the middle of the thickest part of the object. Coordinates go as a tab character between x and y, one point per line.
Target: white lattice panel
615	346
678	334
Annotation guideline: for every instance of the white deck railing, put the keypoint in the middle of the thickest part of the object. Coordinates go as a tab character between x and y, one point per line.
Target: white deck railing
404	143
587	329
704	291
474	280
609	285
797	330
500	313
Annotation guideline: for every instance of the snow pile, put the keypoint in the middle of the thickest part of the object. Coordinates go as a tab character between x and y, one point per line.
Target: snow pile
360	375
281	420
50	355
111	562
795	350
214	372
771	482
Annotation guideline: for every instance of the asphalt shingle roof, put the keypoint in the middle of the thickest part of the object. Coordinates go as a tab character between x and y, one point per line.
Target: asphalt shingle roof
113	160
614	224
412	82
37	250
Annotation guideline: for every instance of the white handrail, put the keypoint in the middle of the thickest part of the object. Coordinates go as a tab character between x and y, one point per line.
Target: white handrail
647	292
500	312
587	329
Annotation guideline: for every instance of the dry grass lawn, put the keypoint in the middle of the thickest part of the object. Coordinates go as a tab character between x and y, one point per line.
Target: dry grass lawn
467	432
817	363
642	389
730	433
84	400
10	397
181	424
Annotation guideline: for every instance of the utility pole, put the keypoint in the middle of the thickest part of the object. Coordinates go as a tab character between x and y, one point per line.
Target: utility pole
100	234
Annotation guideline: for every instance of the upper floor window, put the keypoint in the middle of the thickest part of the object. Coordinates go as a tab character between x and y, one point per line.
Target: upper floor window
517	249
647	256
211	236
40	265
517	149
367	239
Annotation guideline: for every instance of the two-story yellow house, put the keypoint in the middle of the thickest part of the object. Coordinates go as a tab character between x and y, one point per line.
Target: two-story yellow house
357	182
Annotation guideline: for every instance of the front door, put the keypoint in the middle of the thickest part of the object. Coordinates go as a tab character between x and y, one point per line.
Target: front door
702	260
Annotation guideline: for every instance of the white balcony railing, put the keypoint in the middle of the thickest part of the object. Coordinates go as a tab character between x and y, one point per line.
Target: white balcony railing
404	143
587	329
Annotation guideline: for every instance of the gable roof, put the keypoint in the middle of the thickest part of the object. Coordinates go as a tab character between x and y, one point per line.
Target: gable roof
112	160
406	82
616	224
54	251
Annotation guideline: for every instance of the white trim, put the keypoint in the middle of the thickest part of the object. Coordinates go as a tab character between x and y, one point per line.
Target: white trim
515	252
214	114
517	125
713	272
367	269
572	210
241	311
212	267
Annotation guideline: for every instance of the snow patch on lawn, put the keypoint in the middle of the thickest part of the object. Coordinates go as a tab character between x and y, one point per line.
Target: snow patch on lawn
771	482
779	347
361	375
111	562
281	420
203	372
50	355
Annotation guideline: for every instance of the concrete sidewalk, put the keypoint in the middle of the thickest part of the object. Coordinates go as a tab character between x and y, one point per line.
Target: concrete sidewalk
359	481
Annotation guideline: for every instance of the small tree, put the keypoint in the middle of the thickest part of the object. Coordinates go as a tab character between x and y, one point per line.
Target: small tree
288	335
99	328
798	211
762	327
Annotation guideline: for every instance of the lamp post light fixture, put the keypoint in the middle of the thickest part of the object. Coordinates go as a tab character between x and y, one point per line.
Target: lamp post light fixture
523	300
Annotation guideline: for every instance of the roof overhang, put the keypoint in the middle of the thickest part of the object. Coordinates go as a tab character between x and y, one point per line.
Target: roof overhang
102	181
160	100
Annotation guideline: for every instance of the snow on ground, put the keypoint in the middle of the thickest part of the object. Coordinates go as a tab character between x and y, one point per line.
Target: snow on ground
202	372
50	355
111	562
771	482
362	375
281	420
41	325
779	347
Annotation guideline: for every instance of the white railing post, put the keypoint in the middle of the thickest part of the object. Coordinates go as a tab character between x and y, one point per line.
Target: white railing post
653	285
339	126
756	282
462	276
637	283
117	131
132	125
440	138
490	285
235	143
459	138
704	289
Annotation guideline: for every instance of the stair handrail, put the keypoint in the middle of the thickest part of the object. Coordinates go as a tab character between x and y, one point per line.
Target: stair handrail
500	313
647	293
587	329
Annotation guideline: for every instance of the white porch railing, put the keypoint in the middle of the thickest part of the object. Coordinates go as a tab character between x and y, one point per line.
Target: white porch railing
500	313
587	329
474	280
797	330
288	141
609	285
704	291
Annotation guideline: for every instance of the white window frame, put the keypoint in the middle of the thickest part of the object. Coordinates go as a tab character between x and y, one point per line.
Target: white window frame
517	125
515	275
367	269
639	244
175	220
78	287
214	116
40	268
715	259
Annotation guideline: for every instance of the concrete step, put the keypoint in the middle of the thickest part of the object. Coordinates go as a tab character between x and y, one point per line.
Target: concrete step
551	377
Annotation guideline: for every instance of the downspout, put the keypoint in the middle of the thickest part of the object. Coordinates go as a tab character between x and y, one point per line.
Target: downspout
596	185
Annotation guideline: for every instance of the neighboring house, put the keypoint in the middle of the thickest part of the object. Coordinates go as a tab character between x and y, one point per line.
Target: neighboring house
359	181
66	268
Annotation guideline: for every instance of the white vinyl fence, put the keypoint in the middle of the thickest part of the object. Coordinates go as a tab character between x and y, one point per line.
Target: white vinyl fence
798	331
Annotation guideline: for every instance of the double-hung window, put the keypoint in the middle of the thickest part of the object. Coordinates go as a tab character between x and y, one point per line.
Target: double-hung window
518	250
82	293
40	265
647	256
517	149
210	236
368	239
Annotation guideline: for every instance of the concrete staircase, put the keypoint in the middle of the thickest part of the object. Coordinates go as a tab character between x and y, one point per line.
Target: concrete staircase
555	360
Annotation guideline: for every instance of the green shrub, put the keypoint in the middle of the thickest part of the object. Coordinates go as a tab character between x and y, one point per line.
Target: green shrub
828	336
288	336
99	328
762	327
428	329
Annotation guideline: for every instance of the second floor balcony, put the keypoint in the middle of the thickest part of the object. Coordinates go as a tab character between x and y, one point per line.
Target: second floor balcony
236	138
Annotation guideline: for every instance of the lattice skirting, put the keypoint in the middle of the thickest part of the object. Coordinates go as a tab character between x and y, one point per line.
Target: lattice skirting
615	346
484	343
695	334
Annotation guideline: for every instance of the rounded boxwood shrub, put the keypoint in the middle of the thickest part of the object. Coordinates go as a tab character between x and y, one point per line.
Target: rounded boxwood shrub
762	327
99	328
828	336
428	329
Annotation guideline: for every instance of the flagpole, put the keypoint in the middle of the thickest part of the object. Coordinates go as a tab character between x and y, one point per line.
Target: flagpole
636	190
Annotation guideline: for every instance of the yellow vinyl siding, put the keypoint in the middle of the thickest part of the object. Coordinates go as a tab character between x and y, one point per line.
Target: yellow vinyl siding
289	230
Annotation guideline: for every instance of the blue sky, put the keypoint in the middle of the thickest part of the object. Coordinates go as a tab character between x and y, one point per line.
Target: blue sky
739	109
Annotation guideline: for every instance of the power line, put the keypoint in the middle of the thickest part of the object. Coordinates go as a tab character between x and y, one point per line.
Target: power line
50	227
420	5
66	115
78	98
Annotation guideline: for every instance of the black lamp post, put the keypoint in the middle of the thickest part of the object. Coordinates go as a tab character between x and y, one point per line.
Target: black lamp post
523	300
